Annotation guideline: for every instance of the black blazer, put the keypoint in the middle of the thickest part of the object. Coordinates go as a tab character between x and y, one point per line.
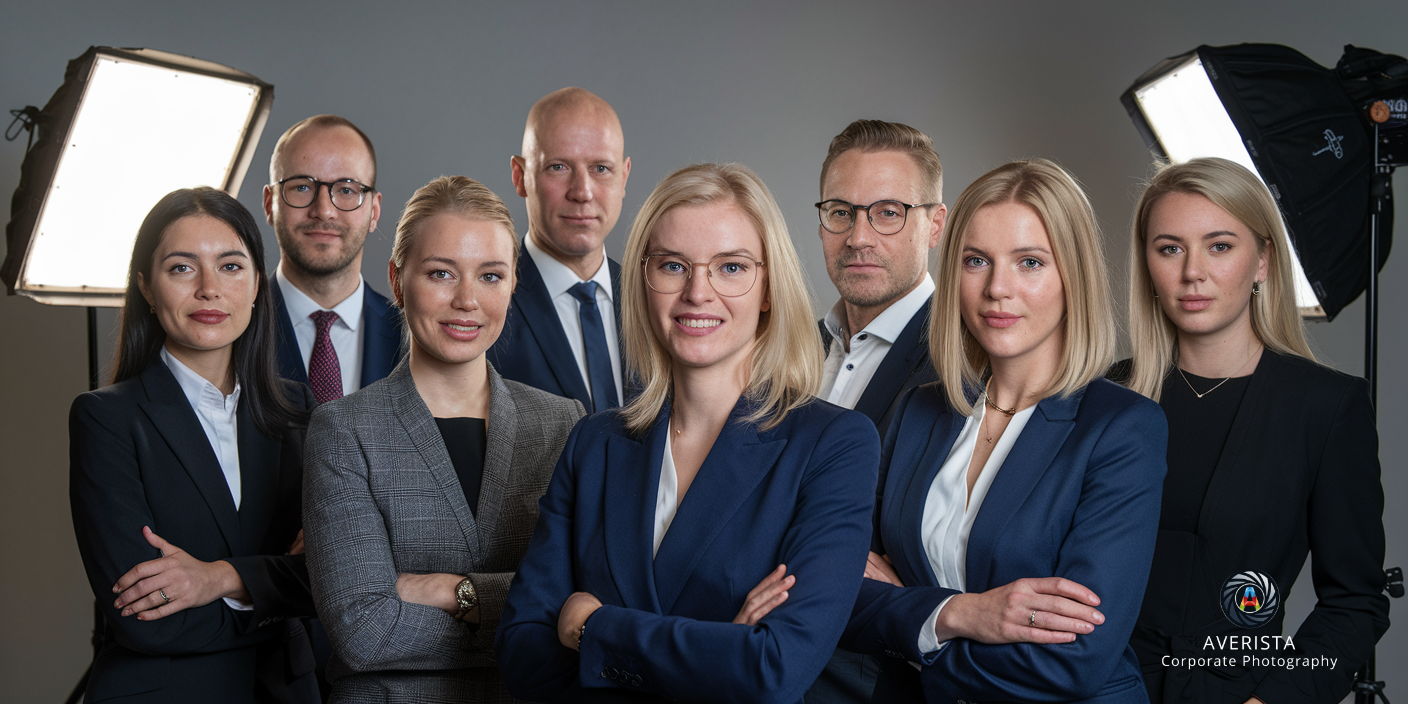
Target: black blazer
905	366
139	457
533	348
381	338
1299	472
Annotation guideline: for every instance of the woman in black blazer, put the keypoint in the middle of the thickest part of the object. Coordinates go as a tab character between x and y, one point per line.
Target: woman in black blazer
185	475
1270	455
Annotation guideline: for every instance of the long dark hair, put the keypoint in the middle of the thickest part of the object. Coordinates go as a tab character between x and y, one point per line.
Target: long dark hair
142	336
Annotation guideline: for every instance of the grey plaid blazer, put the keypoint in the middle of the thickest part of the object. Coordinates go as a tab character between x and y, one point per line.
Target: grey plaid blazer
380	497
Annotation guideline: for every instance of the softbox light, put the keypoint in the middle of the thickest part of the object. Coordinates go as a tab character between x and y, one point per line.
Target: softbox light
1290	121
126	127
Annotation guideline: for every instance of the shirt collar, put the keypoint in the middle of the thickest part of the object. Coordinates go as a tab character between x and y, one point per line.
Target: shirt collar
558	277
300	305
890	323
199	391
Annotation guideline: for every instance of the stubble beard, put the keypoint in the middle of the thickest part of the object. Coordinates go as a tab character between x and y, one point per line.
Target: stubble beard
305	256
866	292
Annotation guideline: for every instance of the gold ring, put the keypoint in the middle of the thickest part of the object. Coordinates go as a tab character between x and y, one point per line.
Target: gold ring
167	599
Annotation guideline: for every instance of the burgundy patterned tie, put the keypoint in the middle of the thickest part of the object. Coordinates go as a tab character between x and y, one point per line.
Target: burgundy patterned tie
324	373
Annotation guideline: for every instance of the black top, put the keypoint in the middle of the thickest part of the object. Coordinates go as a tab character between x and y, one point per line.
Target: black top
465	440
1197	432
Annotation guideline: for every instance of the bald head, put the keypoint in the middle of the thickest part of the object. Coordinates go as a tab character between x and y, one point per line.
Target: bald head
570	106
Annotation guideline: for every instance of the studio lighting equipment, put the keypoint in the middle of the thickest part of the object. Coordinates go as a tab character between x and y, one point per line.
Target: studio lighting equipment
1325	142
126	127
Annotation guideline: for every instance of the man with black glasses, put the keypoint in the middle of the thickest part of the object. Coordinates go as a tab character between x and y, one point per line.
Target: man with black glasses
881	212
335	333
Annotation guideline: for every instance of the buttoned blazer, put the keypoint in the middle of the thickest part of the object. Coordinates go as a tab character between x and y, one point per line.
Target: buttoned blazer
139	457
906	365
381	338
533	347
798	494
1299	472
382	498
1077	497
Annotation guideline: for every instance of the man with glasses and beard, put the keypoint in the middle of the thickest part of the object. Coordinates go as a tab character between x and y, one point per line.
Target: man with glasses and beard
881	212
336	334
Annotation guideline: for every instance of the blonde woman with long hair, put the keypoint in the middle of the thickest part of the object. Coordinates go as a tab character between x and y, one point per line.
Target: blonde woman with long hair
705	543
1271	455
1019	496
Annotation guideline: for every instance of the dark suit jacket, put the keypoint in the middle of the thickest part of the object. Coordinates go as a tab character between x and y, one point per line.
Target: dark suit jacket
381	338
533	349
797	494
1077	497
383	498
905	366
1299	472
139	457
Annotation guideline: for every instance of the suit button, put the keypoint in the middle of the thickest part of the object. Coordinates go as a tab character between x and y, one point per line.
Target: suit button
603	672
636	680
613	673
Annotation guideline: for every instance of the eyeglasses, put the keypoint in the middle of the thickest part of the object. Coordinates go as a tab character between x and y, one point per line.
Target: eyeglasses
730	274
301	191
886	216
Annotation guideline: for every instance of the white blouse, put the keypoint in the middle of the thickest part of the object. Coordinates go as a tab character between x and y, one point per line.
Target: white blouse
949	511
666	497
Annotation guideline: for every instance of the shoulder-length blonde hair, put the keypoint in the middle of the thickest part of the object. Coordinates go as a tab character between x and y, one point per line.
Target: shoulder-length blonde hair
1275	320
786	362
1059	202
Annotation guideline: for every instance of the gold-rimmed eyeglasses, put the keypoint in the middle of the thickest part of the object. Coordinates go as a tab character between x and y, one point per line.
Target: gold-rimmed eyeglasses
730	274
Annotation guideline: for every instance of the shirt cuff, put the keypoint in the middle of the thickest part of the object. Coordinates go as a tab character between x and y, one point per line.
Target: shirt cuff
239	606
928	639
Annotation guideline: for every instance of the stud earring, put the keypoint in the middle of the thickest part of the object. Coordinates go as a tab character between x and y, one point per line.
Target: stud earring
1256	288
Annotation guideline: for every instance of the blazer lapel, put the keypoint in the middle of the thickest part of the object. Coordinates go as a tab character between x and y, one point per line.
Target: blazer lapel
502	433
174	418
739	459
1226	489
381	338
259	479
291	363
632	481
899	363
540	315
1039	444
420	426
913	494
630	387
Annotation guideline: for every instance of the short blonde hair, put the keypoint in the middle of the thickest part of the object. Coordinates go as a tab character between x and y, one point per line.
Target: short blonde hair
786	360
1053	194
459	195
1275	320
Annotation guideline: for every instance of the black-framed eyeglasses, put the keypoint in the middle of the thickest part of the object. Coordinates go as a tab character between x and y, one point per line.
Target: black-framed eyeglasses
886	216
300	192
730	274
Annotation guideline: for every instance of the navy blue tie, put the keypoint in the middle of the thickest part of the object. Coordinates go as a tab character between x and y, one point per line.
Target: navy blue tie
601	380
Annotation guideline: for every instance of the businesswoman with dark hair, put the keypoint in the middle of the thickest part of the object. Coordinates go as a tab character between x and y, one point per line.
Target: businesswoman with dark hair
1271	455
185	474
706	542
1022	492
423	488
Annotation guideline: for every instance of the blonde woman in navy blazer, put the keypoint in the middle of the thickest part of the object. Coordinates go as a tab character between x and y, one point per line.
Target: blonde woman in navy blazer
1020	497
738	590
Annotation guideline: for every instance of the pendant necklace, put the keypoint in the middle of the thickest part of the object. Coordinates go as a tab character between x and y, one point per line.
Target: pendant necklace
1214	388
993	405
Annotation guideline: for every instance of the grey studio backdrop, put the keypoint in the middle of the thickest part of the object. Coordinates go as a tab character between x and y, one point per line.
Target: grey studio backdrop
443	89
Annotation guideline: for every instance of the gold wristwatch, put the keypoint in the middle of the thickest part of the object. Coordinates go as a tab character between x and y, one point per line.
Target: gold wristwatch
466	596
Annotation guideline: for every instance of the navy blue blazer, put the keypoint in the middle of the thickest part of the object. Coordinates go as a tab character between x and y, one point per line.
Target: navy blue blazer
381	338
798	494
533	348
905	366
1077	497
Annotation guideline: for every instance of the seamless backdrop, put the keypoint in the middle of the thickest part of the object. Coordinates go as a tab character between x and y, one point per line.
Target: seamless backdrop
443	88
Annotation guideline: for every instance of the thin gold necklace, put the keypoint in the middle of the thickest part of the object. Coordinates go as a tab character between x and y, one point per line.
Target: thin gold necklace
1220	383
987	397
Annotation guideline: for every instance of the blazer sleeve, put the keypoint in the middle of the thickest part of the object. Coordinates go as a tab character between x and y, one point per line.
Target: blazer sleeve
352	569
1345	522
1108	549
109	508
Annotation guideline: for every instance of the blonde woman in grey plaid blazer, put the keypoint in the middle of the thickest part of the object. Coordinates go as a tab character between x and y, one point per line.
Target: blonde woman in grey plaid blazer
421	491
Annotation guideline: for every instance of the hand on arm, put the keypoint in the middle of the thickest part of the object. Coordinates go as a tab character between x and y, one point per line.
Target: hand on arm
1062	608
881	569
174	582
575	611
768	595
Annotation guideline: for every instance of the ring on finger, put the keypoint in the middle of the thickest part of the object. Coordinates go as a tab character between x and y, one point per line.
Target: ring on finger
1032	620
167	599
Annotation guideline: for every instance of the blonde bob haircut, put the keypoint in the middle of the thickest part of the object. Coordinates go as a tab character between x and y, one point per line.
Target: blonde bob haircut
785	371
1275	320
1088	327
458	195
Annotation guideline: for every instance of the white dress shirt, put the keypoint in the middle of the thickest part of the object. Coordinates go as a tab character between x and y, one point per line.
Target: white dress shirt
949	511
217	414
846	374
558	279
667	496
346	332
